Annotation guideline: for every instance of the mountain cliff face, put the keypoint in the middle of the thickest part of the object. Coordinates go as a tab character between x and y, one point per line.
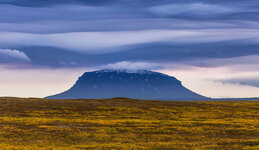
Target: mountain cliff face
140	84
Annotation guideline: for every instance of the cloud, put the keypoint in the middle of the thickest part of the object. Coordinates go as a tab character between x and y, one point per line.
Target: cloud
9	55
249	61
106	42
247	82
128	24
81	18
132	65
39	3
191	9
199	54
218	82
61	12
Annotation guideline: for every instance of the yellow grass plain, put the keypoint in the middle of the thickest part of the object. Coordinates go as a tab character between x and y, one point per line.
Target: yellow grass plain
40	124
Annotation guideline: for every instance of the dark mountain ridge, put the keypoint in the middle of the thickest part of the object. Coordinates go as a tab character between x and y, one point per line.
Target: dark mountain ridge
138	84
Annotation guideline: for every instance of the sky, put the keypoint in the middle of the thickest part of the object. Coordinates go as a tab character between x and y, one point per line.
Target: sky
212	46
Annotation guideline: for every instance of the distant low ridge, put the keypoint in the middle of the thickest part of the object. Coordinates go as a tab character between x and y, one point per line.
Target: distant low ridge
137	84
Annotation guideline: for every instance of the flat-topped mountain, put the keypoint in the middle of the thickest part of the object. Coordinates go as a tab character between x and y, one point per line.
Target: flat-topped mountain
138	84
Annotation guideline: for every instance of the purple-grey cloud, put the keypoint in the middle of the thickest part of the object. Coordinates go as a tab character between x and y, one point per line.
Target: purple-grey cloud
105	42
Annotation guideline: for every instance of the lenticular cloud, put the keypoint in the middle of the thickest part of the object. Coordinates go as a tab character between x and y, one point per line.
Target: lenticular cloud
13	55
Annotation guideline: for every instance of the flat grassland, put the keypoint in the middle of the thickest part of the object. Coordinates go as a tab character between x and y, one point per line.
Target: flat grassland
128	124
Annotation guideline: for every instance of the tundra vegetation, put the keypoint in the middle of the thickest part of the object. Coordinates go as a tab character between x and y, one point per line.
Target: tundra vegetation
122	123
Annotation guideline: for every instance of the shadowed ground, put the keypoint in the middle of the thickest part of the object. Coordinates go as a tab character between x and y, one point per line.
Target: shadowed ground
128	124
